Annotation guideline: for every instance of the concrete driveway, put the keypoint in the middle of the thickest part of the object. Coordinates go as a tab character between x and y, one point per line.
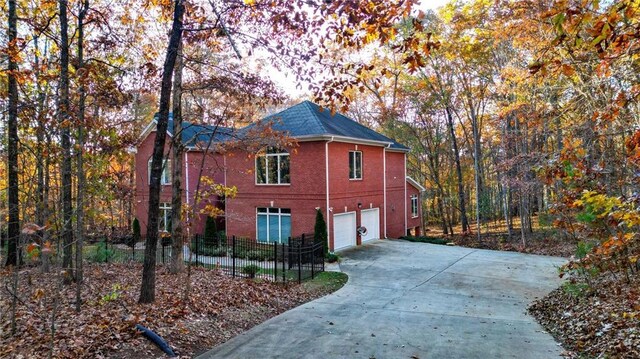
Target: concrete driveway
415	300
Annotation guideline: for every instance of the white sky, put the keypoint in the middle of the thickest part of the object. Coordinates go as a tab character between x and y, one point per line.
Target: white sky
287	81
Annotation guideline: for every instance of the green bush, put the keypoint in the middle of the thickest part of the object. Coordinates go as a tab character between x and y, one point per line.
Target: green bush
331	257
260	255
251	270
210	232
320	231
102	253
423	239
216	251
137	237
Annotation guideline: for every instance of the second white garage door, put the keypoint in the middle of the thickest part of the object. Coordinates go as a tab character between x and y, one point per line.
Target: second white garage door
370	219
344	230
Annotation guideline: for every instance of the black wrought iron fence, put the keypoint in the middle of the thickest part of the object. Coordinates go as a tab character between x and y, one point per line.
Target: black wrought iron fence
298	259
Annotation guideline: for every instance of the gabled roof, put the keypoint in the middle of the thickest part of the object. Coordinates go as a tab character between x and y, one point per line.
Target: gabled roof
192	133
416	184
307	120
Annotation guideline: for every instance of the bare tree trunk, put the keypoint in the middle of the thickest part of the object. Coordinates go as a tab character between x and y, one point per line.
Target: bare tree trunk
80	156
456	155
13	255
177	262
65	134
148	286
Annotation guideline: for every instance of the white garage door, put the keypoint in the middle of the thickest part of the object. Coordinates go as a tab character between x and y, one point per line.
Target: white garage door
344	230
370	219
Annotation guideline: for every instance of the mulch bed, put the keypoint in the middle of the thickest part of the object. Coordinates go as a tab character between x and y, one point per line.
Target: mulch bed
603	322
216	309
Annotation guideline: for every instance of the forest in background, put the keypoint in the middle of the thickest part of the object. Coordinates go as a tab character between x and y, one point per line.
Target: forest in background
516	112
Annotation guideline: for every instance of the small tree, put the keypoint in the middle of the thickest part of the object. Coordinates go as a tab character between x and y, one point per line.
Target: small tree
210	232
320	231
136	232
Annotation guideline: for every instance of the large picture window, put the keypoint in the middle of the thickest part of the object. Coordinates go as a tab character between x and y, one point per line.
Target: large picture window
273	225
164	220
272	167
355	165
165	177
414	206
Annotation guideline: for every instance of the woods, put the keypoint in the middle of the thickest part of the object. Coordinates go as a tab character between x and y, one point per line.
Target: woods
521	116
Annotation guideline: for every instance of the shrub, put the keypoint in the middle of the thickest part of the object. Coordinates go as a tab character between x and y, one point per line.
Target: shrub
260	255
103	253
210	232
331	257
136	232
215	251
423	239
251	270
320	231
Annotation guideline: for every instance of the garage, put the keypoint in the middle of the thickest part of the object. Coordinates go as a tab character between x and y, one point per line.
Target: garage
344	230
370	219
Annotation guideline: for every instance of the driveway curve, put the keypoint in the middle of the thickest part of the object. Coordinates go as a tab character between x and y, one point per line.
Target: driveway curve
415	300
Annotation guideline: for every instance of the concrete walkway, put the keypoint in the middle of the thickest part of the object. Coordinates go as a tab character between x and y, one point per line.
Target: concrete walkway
415	300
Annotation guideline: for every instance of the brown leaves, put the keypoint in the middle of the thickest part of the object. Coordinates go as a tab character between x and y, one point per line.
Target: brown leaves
217	308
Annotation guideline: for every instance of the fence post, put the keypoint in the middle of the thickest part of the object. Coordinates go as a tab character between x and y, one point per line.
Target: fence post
313	261
233	256
275	261
197	249
106	250
284	279
299	265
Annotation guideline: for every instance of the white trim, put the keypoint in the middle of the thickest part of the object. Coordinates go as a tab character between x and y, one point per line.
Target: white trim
279	214
405	196
416	197
384	189
346	139
277	157
354	178
415	184
326	164
186	175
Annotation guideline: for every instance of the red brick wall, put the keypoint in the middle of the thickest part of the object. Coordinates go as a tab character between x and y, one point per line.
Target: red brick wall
344	193
395	194
213	167
305	192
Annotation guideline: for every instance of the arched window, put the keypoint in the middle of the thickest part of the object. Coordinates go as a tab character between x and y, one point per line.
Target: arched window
272	167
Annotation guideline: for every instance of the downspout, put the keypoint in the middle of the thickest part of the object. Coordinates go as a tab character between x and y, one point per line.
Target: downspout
186	174
384	187
224	171
326	164
405	194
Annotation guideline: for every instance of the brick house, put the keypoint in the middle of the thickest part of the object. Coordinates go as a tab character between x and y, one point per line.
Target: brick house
352	173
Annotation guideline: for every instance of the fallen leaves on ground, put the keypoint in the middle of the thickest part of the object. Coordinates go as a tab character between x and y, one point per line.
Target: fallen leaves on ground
542	243
216	308
604	322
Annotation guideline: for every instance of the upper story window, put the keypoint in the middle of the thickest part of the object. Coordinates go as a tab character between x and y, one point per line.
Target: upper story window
165	177
355	165
272	167
414	206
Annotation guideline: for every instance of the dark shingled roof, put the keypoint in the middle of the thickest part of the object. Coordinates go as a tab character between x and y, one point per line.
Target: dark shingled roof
194	133
308	119
305	119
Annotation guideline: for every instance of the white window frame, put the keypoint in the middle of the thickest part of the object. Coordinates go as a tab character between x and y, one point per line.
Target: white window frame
277	155
353	172
165	213
414	206
267	214
165	176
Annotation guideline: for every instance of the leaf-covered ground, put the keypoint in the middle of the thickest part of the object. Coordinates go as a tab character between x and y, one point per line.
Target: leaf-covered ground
600	322
217	308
